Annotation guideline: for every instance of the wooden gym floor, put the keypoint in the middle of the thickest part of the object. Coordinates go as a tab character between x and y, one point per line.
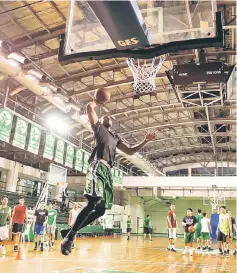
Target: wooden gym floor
115	255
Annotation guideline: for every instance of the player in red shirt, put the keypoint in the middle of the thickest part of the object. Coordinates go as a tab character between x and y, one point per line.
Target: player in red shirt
172	227
19	218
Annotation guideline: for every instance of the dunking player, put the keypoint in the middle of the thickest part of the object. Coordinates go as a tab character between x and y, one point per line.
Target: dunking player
172	227
5	213
99	183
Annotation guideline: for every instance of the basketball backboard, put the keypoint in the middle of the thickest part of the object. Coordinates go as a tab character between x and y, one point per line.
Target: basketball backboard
138	29
215	199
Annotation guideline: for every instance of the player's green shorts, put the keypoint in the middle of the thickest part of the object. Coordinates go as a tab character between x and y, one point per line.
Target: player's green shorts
99	182
198	234
188	237
205	236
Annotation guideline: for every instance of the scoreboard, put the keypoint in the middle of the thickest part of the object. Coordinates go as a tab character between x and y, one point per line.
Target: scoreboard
199	73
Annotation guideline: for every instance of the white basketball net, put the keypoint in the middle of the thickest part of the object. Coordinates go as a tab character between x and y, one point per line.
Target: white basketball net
216	200
144	74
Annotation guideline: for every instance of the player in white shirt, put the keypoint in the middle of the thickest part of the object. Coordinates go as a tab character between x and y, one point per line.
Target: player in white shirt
205	232
73	216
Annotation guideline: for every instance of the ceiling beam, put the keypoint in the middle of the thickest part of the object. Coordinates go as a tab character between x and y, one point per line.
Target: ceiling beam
39	37
203	148
171	109
164	125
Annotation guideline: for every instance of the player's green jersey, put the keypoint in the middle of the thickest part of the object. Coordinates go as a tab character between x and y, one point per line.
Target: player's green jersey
147	222
129	222
199	218
52	214
4	212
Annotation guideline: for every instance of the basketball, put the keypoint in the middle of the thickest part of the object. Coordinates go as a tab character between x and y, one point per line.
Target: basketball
191	229
102	96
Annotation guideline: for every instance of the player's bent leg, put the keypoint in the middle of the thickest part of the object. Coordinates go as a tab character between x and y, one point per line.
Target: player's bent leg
98	212
81	218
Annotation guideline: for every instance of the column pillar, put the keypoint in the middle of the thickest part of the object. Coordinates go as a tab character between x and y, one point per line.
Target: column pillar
12	176
189	171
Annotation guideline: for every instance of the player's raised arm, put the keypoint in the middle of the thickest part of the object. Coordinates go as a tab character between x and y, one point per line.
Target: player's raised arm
131	150
93	118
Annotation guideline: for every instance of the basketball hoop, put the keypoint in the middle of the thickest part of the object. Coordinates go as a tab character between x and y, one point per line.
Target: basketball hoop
216	199
144	74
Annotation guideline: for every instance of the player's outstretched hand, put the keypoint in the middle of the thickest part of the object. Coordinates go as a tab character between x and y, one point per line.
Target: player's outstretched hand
150	136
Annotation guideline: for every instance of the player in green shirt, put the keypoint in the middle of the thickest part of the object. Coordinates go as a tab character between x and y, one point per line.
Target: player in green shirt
198	229
51	224
129	226
147	227
5	214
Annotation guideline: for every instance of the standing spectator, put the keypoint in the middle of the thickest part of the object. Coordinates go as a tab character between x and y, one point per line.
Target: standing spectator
19	218
147	227
198	234
206	230
71	220
172	228
189	224
129	226
51	225
233	222
39	222
5	213
30	213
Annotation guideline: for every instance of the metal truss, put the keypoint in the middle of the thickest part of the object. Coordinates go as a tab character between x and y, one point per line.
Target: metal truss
194	123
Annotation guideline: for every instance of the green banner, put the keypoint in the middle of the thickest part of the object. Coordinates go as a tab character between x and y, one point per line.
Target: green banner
69	156
34	139
85	162
6	119
79	160
21	128
59	153
49	146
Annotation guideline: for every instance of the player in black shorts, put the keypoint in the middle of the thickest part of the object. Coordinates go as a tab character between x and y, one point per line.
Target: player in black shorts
129	226
233	230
